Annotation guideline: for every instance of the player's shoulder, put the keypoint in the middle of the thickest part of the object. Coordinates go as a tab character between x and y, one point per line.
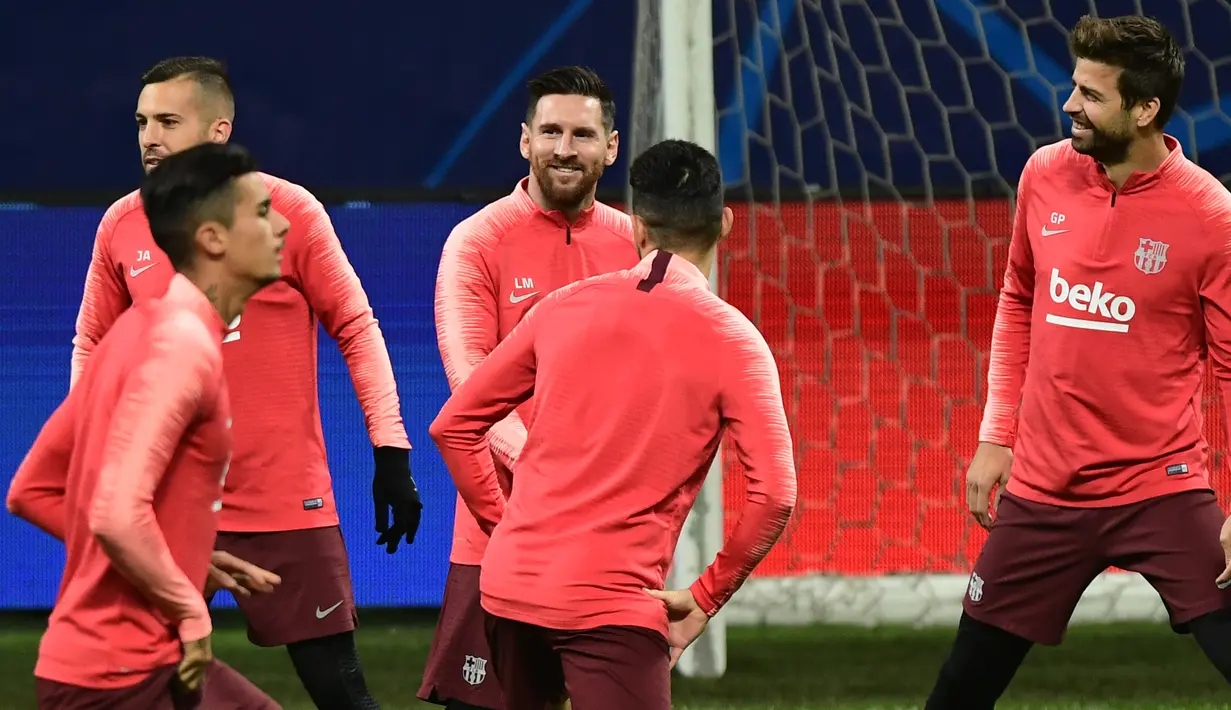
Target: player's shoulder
126	210
613	220
487	227
177	331
1055	158
290	198
1203	192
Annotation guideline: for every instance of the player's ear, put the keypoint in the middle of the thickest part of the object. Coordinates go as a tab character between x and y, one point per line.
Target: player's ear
728	221
613	148
1146	112
641	236
525	141
211	238
220	130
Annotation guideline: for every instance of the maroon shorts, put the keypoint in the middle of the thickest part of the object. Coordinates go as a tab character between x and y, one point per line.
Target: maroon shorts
224	689
315	598
606	668
1039	559
457	665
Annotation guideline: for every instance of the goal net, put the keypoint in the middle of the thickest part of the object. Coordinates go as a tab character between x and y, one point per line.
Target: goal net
871	148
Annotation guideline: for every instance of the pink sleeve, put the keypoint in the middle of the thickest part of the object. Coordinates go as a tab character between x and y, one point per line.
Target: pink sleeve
334	292
1010	351
751	408
105	296
495	388
1216	297
467	328
37	491
160	399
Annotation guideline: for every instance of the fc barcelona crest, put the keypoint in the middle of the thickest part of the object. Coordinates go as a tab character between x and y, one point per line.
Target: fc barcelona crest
1151	256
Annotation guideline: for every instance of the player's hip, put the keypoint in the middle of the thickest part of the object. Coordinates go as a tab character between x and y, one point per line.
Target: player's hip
103	661
575	609
1077	478
301	509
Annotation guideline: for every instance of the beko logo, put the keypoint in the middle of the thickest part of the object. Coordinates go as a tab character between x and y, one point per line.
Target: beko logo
1111	313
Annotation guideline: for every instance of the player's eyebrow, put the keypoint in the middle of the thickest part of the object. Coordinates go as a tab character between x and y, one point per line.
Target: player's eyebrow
1097	96
165	116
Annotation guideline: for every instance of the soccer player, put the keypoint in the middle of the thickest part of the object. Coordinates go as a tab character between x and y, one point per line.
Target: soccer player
635	376
278	510
1116	299
129	469
497	264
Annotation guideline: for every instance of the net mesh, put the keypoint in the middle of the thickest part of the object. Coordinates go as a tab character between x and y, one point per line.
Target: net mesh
872	148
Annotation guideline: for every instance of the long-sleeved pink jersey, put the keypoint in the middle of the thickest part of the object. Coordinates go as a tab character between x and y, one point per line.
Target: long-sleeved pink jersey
128	471
636	376
496	264
279	476
1114	302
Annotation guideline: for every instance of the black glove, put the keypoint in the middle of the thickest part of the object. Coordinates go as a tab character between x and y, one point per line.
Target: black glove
393	490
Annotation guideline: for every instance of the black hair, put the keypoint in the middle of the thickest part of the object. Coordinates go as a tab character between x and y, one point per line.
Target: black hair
187	189
1152	63
677	192
571	81
209	74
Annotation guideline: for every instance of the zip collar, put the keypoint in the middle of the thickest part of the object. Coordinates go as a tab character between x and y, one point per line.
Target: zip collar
521	193
1138	182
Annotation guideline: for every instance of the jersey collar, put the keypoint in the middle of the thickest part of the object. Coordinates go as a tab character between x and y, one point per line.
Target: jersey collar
1139	181
679	267
521	193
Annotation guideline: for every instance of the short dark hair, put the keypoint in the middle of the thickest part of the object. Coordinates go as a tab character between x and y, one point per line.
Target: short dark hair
187	189
1151	60
677	192
571	81
210	75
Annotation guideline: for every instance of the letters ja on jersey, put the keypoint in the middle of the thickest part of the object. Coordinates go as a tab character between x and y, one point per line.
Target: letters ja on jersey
1098	305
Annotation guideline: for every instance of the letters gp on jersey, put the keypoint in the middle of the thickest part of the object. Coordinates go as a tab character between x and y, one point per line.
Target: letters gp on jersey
1110	313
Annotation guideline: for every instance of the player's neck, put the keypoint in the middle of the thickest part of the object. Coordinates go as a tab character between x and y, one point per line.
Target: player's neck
570	213
1144	156
702	260
227	296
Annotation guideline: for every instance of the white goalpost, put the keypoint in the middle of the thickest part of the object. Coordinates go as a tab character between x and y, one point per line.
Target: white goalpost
872	215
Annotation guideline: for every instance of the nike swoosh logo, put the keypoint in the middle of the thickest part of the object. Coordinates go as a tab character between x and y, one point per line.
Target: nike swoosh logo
134	272
1053	232
515	299
321	614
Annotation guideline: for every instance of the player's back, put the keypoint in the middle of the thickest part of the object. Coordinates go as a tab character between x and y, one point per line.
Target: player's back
631	373
97	609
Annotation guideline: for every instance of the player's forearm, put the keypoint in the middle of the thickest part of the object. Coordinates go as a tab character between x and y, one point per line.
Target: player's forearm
760	525
136	547
462	444
1006	371
371	373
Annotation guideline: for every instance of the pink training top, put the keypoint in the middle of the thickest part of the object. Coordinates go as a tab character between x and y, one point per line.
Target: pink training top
279	476
496	264
128	471
1115	302
636	376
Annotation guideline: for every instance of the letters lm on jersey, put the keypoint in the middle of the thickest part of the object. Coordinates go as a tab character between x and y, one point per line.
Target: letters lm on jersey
1101	304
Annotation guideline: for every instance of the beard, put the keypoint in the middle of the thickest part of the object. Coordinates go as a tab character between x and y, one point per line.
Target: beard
1108	146
569	193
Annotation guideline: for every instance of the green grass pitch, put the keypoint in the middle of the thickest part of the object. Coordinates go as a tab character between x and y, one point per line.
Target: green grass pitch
830	667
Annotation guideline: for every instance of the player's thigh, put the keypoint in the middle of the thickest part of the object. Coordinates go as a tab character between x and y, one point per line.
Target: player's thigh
458	664
315	598
1037	561
615	667
1172	541
527	667
226	689
154	692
